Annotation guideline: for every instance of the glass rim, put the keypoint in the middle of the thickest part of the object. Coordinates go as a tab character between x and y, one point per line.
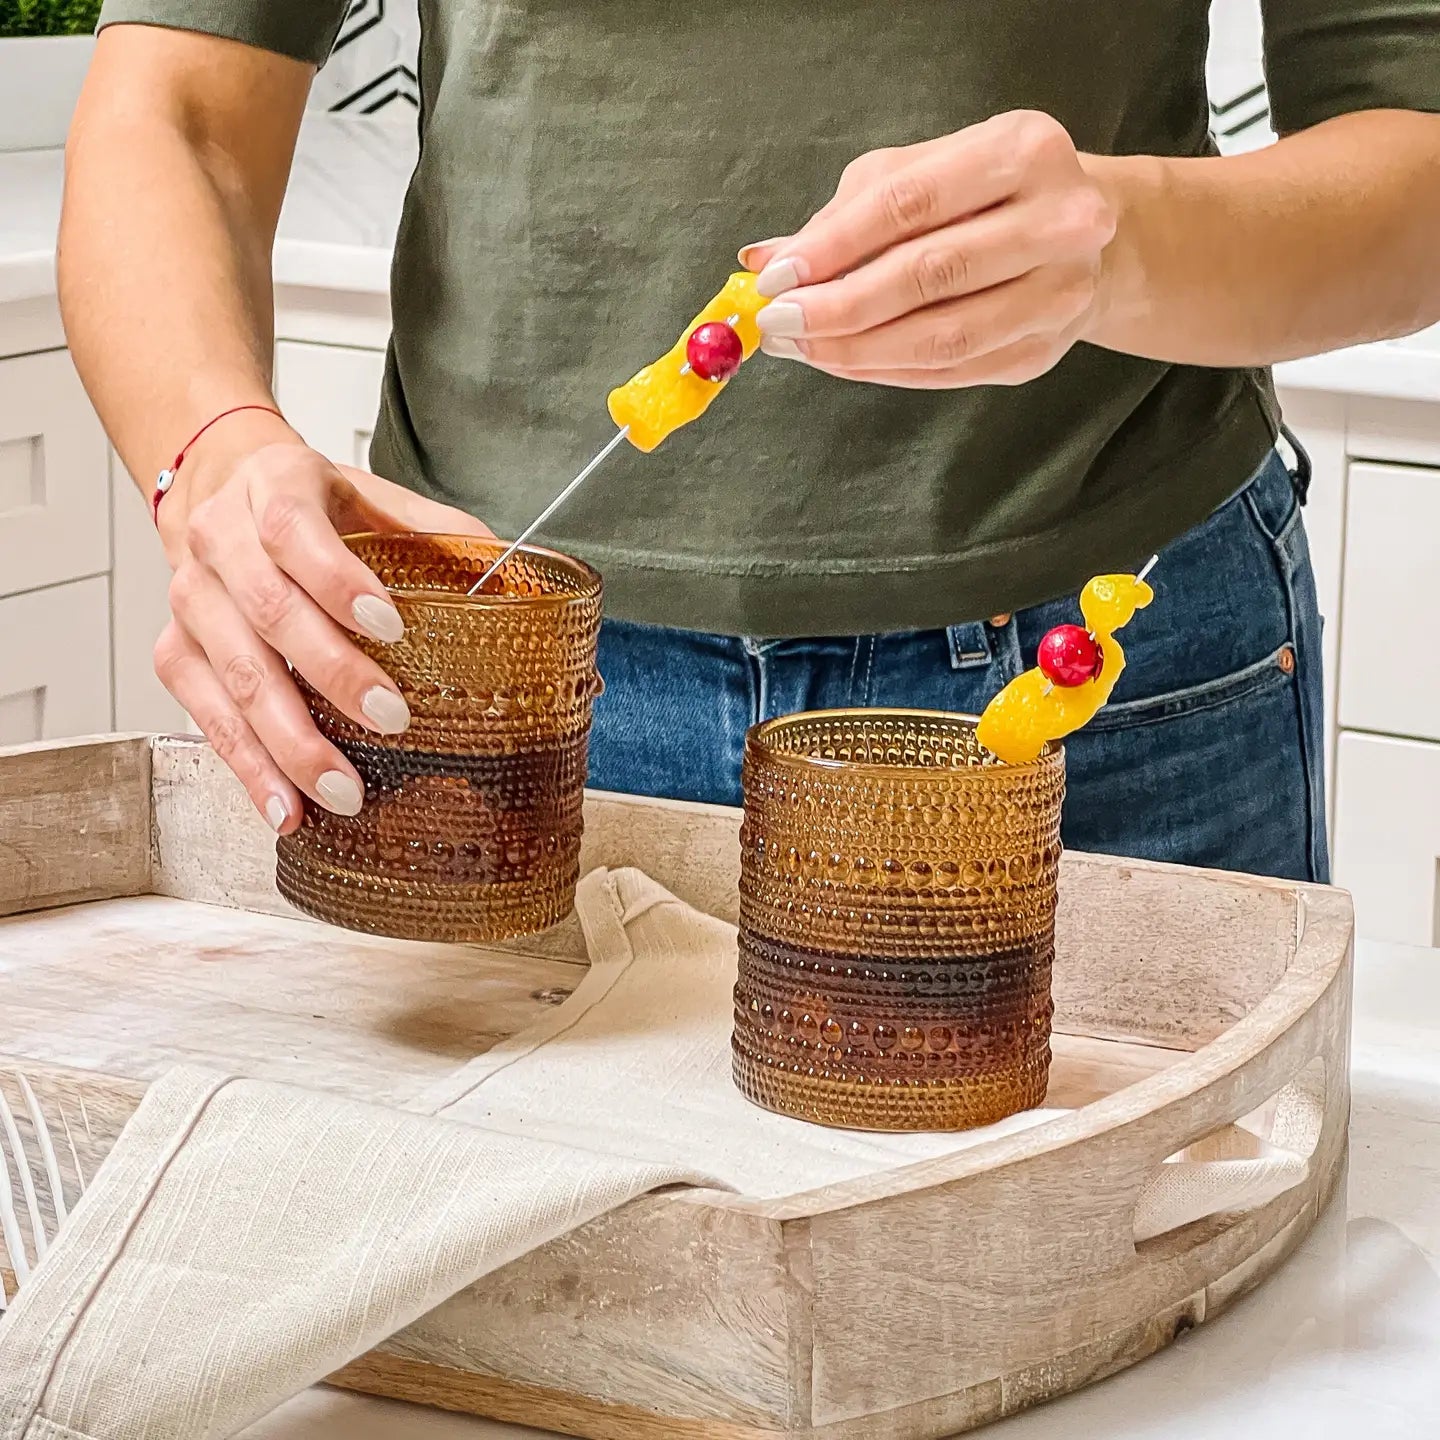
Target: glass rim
758	739
592	582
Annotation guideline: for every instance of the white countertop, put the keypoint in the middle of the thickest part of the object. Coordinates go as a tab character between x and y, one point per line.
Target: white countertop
343	208
1343	1343
336	231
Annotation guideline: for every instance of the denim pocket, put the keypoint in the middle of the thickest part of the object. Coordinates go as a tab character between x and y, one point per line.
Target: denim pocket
1271	673
1275	508
1222	626
1218	776
1223	612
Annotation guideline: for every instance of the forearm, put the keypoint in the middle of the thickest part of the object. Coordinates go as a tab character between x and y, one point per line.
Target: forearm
164	274
1325	239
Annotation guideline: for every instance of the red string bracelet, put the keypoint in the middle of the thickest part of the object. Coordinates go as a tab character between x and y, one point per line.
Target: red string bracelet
166	478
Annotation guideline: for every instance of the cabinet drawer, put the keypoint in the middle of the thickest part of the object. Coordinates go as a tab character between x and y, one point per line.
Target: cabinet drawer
53	475
331	395
1406	431
1389	682
55	662
1387	836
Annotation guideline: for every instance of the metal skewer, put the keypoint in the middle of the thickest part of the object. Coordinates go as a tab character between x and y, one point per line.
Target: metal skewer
568	491
551	508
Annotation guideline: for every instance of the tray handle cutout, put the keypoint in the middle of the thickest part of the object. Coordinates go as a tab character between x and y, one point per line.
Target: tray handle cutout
1240	1167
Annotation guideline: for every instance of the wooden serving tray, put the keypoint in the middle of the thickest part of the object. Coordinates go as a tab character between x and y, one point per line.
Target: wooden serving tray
916	1303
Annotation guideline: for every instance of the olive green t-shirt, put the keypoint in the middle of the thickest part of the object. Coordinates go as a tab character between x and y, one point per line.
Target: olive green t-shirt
588	169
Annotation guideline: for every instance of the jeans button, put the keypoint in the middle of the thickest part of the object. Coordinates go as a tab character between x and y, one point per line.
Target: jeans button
1286	660
999	622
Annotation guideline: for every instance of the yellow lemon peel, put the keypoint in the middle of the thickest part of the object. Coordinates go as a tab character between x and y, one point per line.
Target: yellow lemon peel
1019	721
664	396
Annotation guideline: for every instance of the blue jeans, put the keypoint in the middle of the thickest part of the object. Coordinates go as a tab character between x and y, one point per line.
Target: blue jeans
1210	752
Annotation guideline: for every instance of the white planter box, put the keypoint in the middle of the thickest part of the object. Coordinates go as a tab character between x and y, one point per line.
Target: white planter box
40	82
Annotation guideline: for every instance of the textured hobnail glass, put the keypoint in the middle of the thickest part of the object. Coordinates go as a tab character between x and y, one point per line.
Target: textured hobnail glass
897	921
471	824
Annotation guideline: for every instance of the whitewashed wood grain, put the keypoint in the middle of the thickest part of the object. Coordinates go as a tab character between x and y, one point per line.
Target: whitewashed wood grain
74	822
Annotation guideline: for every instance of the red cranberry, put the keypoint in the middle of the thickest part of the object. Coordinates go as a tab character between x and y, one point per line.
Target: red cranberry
714	351
1069	655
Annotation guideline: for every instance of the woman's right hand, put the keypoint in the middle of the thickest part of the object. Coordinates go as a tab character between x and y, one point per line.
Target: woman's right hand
263	578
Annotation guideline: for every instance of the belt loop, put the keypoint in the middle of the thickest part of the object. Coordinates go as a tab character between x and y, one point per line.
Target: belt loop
1302	472
970	645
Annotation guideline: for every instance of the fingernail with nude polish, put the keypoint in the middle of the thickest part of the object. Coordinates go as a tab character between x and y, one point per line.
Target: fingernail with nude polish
779	276
277	812
386	710
339	793
781	349
378	619
783	317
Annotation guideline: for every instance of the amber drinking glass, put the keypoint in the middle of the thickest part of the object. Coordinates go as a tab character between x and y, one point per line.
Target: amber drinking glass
471	823
897	921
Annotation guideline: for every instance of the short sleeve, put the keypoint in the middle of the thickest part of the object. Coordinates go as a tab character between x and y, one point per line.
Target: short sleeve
1325	58
302	29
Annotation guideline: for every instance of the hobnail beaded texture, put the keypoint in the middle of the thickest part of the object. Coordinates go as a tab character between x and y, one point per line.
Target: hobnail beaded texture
472	818
897	921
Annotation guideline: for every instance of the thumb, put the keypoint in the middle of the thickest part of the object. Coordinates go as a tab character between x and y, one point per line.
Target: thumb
392	508
757	256
859	175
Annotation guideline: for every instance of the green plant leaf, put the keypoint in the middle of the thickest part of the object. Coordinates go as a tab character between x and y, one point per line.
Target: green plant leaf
22	18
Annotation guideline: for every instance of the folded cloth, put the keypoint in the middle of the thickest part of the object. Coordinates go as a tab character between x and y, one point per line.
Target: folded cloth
245	1239
637	1062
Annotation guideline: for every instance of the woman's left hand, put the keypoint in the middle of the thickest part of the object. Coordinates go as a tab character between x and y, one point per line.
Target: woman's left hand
974	259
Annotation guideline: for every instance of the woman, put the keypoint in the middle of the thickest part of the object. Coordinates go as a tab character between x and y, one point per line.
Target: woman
1022	343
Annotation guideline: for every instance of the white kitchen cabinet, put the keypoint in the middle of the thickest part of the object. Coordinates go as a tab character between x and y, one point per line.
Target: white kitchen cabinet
1389	679
55	662
1387	836
1403	431
331	395
54	520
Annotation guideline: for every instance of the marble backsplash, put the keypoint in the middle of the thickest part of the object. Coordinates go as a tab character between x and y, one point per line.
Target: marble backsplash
372	68
1239	111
